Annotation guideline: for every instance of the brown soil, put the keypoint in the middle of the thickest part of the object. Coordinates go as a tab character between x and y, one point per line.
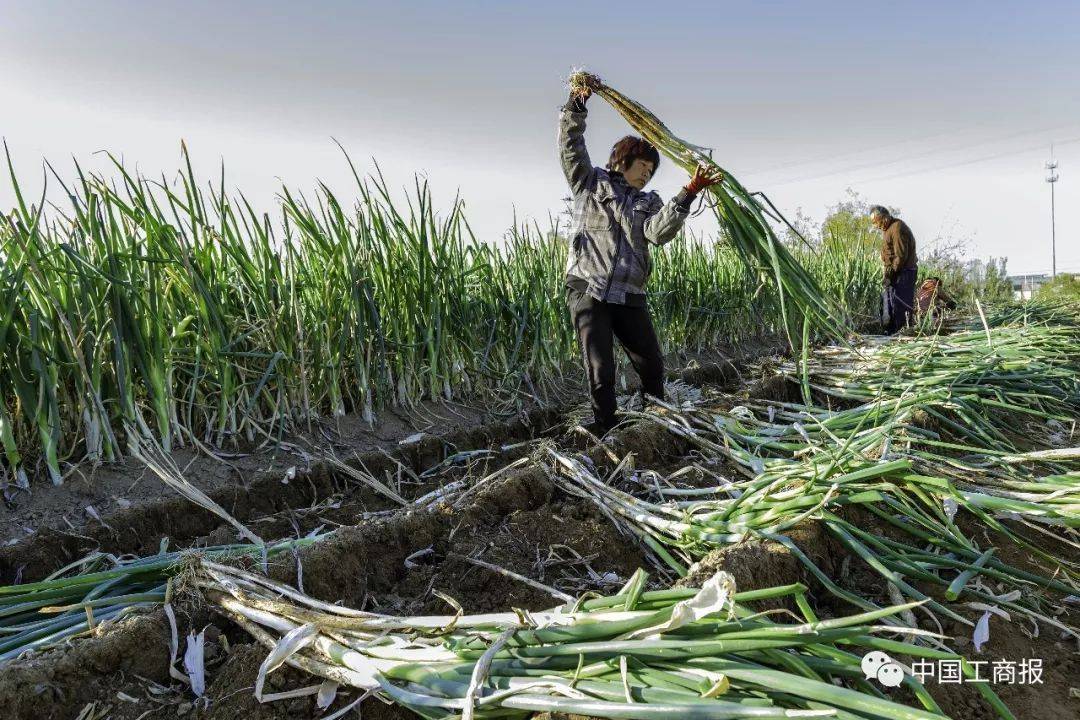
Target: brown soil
504	526
509	524
518	523
514	524
123	508
58	683
1010	641
140	528
764	563
1052	698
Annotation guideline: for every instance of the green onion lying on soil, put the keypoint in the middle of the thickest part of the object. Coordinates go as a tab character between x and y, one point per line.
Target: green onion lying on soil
84	594
640	655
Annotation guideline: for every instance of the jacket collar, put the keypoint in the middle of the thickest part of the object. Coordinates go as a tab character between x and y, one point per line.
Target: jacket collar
619	180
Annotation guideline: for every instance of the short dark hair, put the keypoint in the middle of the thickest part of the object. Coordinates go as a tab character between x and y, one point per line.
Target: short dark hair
629	149
880	210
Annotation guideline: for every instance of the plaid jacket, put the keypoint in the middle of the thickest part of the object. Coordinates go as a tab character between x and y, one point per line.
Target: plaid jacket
613	224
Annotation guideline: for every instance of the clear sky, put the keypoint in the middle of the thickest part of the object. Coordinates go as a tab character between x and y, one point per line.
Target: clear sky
945	110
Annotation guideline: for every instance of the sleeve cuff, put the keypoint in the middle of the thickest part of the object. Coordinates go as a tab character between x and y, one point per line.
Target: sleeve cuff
576	103
684	200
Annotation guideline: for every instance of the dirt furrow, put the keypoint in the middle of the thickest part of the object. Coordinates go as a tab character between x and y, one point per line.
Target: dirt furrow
262	488
515	522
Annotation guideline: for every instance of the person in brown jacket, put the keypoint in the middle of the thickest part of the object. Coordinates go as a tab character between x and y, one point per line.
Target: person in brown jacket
900	267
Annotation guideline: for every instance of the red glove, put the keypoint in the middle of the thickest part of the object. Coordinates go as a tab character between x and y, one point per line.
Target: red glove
704	177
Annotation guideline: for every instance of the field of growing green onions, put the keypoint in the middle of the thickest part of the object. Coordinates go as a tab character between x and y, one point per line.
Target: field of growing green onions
923	496
800	535
176	311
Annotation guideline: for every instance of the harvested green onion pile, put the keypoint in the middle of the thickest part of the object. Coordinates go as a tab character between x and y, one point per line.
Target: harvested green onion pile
638	654
935	438
79	597
1001	403
742	221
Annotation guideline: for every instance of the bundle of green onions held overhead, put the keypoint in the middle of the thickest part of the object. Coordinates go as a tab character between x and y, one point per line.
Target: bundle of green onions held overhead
742	220
639	654
79	597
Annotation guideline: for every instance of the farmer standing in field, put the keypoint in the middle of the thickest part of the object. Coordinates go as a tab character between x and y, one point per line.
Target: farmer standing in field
614	223
900	267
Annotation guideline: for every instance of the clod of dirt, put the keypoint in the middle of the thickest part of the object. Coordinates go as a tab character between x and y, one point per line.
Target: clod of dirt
757	564
55	685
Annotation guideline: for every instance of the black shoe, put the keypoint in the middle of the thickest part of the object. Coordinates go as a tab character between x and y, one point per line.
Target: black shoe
599	429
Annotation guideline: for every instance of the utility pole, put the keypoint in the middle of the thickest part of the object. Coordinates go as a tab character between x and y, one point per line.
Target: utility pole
1052	178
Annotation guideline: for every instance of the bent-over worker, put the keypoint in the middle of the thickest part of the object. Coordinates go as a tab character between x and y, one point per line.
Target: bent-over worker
932	299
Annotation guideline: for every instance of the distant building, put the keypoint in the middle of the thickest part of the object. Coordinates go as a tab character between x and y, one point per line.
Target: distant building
1025	286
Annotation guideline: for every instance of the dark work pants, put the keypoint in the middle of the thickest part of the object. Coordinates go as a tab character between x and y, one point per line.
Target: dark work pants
902	289
597	324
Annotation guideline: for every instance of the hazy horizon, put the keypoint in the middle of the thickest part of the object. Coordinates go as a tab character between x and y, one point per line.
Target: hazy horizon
944	111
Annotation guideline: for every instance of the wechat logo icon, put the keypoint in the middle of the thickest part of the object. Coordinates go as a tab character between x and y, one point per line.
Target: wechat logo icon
876	665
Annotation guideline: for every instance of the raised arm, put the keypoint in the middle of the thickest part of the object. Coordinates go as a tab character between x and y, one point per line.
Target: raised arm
573	155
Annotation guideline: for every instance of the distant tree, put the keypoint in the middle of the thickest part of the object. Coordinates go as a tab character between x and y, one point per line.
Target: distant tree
802	228
995	286
1063	287
848	224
